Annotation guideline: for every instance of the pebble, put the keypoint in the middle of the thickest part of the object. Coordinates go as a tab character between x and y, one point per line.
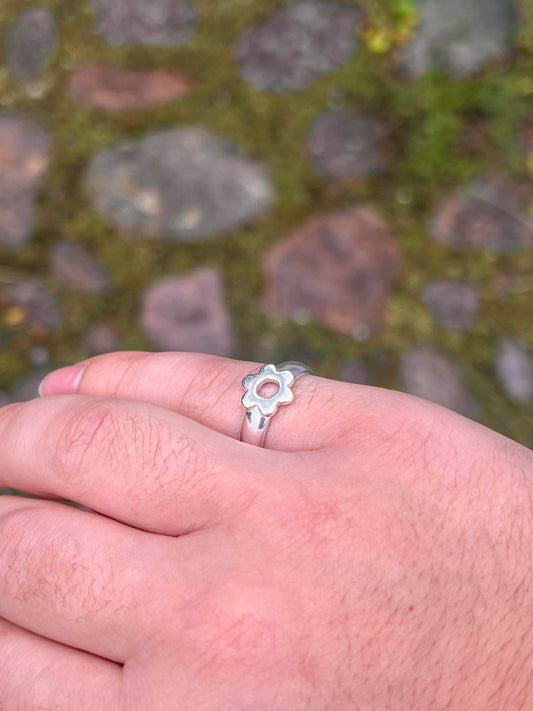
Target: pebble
39	310
514	366
24	161
489	213
165	23
460	37
39	356
299	43
30	43
113	89
76	269
188	313
431	374
184	184
355	372
344	145
339	267
100	338
454	304
28	388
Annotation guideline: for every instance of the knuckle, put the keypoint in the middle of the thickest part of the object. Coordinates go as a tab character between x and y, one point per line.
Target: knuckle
17	528
48	571
85	437
133	446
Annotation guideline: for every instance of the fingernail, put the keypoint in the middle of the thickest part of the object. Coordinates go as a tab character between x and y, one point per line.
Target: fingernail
64	381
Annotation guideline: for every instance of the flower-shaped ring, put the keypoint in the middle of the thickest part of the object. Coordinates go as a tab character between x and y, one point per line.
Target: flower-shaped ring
260	407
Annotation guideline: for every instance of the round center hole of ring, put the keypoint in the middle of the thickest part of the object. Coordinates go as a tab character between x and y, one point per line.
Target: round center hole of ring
268	388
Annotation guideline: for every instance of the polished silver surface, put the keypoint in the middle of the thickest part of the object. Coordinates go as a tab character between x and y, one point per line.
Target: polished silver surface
260	408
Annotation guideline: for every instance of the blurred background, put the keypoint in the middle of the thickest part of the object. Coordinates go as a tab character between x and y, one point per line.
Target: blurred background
345	183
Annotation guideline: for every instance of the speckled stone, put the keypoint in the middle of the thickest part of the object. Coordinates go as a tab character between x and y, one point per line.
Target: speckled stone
338	268
431	374
30	43
40	310
24	160
113	89
166	23
345	145
100	338
453	304
184	184
490	213
355	372
297	44
459	37
514	366
188	313
76	269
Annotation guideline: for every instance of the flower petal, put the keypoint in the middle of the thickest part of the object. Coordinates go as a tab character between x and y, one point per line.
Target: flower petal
287	376
248	400
248	381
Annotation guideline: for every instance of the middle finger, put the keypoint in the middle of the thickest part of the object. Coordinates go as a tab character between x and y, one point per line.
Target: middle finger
139	463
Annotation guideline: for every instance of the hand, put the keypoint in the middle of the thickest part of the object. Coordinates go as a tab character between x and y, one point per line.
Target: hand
376	555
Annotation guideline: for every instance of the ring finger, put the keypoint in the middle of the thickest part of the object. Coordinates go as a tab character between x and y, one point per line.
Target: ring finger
208	389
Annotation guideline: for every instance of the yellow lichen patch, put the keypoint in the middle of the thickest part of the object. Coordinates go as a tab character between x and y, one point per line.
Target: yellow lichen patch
14	316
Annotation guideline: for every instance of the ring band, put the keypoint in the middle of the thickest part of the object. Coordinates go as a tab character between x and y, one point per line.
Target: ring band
259	408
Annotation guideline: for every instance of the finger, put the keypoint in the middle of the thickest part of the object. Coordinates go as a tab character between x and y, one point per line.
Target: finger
37	673
86	581
208	389
138	463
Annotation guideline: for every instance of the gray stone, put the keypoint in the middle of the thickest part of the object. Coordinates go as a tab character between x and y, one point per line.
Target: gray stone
355	372
489	213
342	145
188	313
30	43
298	44
166	23
338	268
183	184
39	356
101	338
24	160
28	389
452	303
74	267
514	365
431	374
40	309
461	36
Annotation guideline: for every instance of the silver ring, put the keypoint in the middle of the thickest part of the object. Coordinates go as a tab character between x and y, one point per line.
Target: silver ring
259	408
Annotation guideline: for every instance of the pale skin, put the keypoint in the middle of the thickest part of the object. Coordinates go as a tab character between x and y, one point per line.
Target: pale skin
376	555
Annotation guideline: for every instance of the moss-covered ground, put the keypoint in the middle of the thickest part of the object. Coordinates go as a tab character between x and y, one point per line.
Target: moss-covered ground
428	154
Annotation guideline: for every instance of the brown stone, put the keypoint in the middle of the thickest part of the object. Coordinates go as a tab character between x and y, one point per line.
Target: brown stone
489	213
114	89
432	374
188	313
76	269
101	338
338	268
24	161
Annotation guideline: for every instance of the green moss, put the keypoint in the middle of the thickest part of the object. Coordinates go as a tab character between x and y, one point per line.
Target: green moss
428	150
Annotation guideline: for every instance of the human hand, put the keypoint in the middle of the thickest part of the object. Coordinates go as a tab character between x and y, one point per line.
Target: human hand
376	555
